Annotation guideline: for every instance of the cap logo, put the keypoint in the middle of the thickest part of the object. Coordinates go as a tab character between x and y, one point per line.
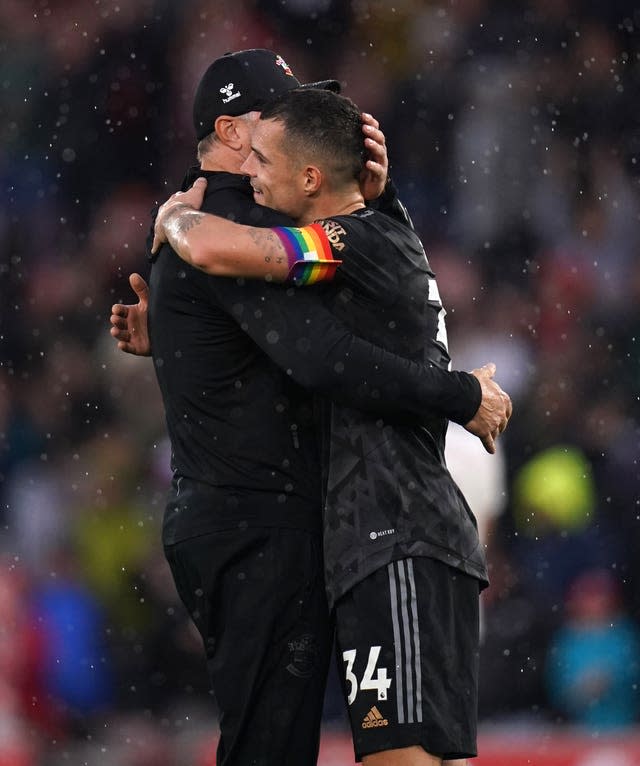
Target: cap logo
281	62
227	90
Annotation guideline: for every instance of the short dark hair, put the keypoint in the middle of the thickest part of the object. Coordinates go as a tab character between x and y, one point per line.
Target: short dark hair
322	126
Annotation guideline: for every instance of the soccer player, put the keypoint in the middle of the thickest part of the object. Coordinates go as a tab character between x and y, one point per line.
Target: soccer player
403	563
242	528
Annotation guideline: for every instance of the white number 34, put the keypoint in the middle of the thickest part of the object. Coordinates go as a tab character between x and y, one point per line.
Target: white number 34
380	683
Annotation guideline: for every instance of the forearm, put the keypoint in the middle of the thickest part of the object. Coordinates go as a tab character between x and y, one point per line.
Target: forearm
224	248
177	225
370	378
307	341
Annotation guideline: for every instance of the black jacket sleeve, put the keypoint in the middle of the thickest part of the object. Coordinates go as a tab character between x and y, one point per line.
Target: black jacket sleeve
294	328
389	203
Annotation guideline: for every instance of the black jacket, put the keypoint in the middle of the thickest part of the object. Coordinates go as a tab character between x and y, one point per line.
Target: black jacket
232	358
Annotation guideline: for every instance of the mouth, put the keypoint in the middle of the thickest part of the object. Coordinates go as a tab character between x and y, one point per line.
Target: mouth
257	193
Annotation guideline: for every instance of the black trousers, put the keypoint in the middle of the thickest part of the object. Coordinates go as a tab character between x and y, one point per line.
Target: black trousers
257	597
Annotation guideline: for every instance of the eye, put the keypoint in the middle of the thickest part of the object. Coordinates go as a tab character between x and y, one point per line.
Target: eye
256	157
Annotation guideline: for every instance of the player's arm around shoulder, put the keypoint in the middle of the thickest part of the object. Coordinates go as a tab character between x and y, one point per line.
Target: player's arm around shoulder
227	249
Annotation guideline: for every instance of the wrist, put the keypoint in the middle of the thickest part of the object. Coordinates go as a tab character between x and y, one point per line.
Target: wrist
171	219
176	224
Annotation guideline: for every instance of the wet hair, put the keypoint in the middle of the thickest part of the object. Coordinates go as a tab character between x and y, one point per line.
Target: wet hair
324	128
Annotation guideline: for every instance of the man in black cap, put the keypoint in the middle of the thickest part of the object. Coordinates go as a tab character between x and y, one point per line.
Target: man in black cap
403	562
242	529
243	82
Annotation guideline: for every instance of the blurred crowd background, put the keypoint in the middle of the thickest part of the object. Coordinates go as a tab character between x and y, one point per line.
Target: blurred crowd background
513	130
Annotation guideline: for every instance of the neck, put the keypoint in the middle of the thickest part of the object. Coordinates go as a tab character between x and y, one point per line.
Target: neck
332	205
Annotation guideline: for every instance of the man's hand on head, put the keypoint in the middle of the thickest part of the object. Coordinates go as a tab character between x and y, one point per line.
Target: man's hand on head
176	204
374	175
494	411
129	322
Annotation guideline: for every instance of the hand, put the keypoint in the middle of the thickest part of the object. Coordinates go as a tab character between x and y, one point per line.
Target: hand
192	198
374	176
129	322
494	411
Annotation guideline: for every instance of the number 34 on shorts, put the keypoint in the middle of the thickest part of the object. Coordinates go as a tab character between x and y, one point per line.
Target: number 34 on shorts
380	682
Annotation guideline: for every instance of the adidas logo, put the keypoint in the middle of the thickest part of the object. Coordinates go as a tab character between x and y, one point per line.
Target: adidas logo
373	719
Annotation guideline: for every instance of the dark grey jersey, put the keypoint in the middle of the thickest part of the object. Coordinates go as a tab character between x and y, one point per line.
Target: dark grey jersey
388	491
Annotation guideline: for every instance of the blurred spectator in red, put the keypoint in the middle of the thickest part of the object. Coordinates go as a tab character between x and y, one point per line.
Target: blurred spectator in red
26	716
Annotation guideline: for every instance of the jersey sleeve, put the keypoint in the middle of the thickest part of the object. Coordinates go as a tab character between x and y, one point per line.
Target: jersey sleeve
296	330
309	252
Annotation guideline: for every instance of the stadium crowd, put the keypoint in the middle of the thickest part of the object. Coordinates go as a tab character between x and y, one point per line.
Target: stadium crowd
513	135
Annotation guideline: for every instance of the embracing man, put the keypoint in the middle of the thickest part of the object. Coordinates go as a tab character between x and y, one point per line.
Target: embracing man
403	563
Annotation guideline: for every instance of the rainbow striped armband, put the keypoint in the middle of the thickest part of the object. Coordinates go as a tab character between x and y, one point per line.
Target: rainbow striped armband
309	253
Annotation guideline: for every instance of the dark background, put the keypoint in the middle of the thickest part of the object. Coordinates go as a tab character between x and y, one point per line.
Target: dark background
514	139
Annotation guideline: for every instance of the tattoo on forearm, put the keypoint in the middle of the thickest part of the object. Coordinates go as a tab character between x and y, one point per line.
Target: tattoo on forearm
187	220
178	221
183	218
269	243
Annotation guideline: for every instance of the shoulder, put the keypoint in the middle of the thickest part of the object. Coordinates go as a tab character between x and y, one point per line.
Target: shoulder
376	250
343	231
367	224
370	232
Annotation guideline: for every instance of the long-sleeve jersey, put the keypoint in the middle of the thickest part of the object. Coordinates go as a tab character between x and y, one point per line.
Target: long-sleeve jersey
389	494
232	357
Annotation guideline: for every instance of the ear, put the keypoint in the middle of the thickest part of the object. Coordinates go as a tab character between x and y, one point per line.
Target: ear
312	180
226	130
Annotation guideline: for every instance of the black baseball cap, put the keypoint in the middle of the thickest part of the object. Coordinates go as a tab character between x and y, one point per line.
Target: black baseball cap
242	82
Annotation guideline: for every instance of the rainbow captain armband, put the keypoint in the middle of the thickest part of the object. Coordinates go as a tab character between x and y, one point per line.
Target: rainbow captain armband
309	253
